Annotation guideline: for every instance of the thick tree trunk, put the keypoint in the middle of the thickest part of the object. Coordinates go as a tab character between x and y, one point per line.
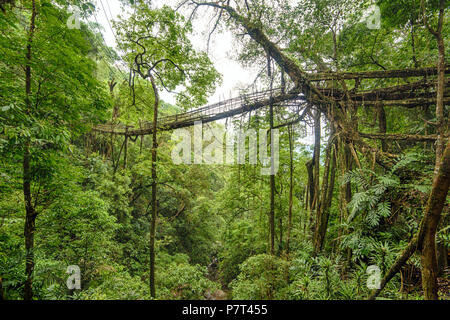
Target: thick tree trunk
154	190
297	75
433	215
429	260
322	209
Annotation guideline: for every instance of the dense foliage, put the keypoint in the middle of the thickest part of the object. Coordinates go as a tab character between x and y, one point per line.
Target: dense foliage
90	193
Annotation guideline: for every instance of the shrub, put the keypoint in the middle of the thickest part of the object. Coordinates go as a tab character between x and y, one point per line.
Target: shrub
262	277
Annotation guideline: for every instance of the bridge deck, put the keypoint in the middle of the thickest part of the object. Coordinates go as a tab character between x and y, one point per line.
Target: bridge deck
409	95
221	110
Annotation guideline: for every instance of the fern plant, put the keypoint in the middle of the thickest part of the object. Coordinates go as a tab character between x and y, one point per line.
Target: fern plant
370	202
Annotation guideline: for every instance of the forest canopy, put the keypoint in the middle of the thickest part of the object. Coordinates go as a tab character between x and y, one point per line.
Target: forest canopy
326	178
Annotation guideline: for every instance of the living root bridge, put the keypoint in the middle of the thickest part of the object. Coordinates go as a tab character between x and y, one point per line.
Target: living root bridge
410	95
217	111
378	74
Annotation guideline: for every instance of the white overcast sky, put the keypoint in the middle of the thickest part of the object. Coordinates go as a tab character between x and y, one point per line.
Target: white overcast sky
234	76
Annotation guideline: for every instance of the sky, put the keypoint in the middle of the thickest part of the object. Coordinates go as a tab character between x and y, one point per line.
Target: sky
234	76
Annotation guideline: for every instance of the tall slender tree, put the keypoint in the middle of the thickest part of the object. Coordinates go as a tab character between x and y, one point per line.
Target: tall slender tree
148	38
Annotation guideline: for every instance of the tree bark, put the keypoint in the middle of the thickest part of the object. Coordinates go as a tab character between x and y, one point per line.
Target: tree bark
310	187
316	157
297	75
428	257
291	187
272	175
154	189
322	209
